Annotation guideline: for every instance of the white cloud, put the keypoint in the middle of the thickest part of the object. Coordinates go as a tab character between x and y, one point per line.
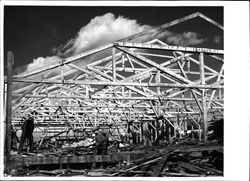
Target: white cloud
41	61
185	39
106	29
99	31
217	39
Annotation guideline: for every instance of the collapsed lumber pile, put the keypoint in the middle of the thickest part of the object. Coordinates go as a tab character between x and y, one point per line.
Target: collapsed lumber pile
184	159
177	161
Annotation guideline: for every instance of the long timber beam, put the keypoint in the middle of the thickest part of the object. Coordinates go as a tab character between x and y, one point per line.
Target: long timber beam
108	106
168	47
109	98
78	82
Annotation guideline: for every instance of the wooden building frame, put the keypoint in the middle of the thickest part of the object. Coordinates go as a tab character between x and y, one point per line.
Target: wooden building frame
127	80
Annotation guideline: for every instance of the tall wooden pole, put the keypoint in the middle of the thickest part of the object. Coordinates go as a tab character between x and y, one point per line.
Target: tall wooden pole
203	97
10	60
113	63
158	89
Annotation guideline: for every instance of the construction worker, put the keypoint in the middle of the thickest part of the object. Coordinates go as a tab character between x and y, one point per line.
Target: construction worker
14	139
27	131
131	133
146	134
101	139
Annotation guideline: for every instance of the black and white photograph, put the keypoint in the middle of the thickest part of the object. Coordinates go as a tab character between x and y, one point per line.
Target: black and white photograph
113	91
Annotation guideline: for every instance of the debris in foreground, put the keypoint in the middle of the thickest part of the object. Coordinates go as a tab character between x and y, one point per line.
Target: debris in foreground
185	159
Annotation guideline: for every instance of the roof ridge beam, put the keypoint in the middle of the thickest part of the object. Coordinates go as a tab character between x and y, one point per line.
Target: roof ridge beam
168	47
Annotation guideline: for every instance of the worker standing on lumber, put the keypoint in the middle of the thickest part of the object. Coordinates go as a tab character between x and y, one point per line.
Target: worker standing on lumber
146	134
27	131
101	141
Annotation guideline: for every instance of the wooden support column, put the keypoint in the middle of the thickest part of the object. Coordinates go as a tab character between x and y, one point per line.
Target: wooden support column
113	63
10	62
192	133
87	90
158	89
140	126
203	97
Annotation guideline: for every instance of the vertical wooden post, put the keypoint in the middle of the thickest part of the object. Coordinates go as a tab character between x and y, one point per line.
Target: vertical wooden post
199	119
113	63
176	126
158	89
140	124
10	62
87	90
192	133
203	97
167	131
170	134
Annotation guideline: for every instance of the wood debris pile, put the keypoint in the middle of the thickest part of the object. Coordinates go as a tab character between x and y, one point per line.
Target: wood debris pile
184	159
178	161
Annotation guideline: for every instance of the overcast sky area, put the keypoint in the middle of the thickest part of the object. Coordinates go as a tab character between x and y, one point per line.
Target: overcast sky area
43	34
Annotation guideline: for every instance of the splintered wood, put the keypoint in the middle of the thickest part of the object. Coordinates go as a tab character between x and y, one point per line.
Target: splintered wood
186	159
178	161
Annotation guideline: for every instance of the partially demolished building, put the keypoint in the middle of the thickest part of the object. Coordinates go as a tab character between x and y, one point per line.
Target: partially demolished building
176	90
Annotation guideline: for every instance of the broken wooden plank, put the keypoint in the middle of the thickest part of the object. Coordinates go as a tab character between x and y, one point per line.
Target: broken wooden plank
193	169
161	165
183	175
213	171
137	166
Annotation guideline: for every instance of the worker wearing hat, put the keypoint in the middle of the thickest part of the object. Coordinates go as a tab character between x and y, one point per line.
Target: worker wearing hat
101	141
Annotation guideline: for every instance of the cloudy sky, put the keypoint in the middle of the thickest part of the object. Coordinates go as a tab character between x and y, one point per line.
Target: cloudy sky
40	35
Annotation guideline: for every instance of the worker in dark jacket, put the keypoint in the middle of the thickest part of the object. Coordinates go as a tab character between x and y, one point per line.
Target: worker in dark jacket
14	139
27	131
101	141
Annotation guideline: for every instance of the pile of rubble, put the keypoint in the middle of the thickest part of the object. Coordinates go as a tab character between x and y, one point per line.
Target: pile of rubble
183	159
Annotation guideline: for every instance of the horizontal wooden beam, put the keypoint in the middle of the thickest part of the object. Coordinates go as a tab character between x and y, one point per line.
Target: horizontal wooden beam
111	106
168	47
128	69
108	98
41	160
109	83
